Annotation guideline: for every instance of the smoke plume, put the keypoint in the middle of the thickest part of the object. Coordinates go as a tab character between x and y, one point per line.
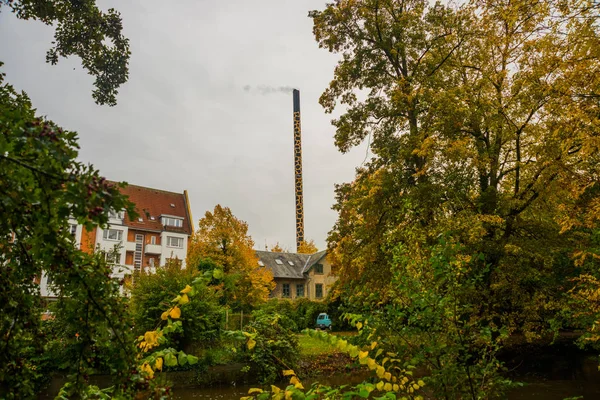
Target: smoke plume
265	89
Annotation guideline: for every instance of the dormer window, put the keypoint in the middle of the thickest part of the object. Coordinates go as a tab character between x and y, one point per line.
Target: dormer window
172	221
278	261
116	214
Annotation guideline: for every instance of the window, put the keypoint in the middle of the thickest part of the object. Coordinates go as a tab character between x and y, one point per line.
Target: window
318	268
73	229
152	239
173	241
291	262
299	290
170	221
286	290
319	290
262	264
151	262
113	234
278	261
112	257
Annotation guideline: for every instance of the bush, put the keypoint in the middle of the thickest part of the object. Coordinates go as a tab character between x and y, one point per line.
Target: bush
151	294
275	348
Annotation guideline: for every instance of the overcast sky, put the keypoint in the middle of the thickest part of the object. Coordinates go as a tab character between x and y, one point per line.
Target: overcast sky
184	120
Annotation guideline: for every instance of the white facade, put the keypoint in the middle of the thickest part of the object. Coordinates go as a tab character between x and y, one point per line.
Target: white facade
174	245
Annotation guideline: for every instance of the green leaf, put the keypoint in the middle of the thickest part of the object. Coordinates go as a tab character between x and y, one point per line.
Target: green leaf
182	358
170	360
192	359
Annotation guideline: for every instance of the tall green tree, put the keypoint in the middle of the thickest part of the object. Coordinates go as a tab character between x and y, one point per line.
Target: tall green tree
42	186
482	122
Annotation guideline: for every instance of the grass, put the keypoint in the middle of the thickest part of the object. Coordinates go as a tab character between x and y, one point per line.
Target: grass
310	346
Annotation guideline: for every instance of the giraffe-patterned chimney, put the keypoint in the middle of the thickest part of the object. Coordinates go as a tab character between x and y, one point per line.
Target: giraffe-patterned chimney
298	171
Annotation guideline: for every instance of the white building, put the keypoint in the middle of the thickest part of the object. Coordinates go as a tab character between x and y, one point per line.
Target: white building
160	232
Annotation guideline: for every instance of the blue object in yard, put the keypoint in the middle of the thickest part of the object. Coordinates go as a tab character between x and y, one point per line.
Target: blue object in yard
323	321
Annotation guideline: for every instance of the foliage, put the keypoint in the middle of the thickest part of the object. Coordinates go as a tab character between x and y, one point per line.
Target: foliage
271	345
278	249
224	239
84	31
151	293
434	322
393	378
482	122
44	185
302	312
307	247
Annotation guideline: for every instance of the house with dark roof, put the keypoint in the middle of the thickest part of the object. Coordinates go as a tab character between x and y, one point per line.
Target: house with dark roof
160	232
298	275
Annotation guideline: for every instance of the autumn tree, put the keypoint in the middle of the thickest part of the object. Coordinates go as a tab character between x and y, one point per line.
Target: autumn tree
307	247
278	249
224	239
482	123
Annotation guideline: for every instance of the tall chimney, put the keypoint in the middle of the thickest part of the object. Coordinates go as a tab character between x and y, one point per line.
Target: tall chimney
298	171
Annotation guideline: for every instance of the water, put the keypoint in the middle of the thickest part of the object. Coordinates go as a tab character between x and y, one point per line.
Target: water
553	374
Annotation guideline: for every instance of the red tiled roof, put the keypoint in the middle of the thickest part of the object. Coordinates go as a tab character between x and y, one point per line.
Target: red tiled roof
154	203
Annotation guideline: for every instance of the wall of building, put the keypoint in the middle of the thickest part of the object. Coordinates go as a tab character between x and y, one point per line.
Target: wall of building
278	291
173	252
326	279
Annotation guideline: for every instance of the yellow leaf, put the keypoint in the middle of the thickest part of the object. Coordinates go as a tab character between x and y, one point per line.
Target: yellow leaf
184	299
380	371
255	390
363	354
379	386
421	383
359	326
288	372
387	387
288	395
294	381
415	386
158	363
371	363
148	370
165	315
387	376
373	345
275	389
175	313
396	387
151	338
247	398
251	343
187	289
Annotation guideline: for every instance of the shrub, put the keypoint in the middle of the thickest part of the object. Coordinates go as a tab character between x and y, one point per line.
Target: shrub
274	348
152	293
